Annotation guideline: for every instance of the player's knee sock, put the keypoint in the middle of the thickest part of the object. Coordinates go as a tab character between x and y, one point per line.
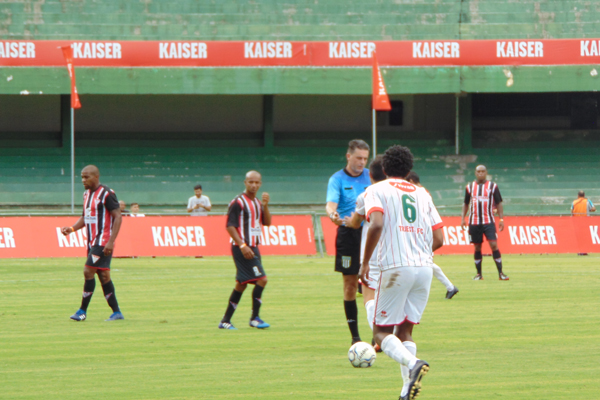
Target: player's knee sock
370	308
478	258
439	274
256	300
109	295
234	299
412	347
393	347
352	317
88	291
498	260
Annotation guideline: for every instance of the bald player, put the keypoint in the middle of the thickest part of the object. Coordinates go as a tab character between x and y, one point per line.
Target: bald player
481	196
102	220
245	218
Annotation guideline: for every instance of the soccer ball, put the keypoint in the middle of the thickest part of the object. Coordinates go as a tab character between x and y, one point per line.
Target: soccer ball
361	355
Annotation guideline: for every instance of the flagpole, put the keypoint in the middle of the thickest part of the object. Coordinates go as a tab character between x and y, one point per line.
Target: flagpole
72	160
374	133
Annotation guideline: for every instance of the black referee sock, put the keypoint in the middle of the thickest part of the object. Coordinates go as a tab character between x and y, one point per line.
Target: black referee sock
256	300
109	295
498	260
478	258
234	299
352	317
88	291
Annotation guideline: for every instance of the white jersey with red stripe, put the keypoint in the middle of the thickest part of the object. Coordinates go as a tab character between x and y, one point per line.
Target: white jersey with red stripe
409	219
360	210
97	207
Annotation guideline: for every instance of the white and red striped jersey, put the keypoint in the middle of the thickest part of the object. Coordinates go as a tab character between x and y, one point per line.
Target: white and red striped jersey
360	210
97	206
247	216
482	198
409	219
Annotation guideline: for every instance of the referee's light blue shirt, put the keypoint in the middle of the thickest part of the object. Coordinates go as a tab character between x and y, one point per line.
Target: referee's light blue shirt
343	189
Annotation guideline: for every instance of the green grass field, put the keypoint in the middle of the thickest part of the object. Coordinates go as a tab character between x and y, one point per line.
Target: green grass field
534	337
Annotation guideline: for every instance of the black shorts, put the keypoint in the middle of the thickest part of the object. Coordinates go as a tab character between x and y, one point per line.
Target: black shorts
97	259
347	250
476	233
248	271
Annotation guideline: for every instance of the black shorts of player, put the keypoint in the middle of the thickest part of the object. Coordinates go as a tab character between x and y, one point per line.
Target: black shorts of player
476	233
347	250
97	259
248	271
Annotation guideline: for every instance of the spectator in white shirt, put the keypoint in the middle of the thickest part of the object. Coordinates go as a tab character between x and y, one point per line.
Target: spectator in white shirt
198	205
135	211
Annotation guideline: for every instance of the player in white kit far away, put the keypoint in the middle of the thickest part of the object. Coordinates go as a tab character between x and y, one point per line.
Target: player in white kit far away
354	222
406	225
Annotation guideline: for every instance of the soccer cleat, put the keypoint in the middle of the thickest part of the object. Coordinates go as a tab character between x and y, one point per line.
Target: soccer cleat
376	346
478	277
79	315
226	325
416	374
503	277
258	323
356	339
115	316
450	293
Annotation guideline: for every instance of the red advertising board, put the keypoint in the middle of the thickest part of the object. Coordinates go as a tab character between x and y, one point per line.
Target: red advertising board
521	235
46	53
27	237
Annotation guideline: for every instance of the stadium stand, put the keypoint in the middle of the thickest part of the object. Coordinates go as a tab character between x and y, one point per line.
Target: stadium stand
535	177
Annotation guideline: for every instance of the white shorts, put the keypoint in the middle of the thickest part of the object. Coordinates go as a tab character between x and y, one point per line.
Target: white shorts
402	295
373	280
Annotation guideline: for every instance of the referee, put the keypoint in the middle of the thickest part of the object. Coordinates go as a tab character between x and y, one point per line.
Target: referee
343	189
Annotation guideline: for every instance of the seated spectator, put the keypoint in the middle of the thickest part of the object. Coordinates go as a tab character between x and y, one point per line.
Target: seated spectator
582	206
122	206
135	211
198	205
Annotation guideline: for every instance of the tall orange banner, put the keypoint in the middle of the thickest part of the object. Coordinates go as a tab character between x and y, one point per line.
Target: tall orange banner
28	237
521	235
68	55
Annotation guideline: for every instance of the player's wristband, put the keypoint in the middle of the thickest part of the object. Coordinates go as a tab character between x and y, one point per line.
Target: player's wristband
501	219
331	215
72	229
243	245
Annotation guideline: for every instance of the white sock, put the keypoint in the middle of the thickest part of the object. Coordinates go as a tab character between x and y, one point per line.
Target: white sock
439	274
412	347
393	347
370	307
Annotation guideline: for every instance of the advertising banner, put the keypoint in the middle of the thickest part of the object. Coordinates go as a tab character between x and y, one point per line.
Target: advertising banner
45	53
28	237
521	235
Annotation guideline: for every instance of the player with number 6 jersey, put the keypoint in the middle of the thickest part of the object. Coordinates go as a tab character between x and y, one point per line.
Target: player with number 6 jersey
406	228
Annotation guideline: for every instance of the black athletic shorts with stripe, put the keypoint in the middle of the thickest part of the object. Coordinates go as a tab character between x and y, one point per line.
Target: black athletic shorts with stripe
248	271
347	250
476	233
97	259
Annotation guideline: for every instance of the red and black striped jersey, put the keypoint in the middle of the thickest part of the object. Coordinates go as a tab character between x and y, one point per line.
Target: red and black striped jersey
482	197
97	206
247	216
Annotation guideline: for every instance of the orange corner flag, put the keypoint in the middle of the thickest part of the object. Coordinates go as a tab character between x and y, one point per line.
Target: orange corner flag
381	101
68	54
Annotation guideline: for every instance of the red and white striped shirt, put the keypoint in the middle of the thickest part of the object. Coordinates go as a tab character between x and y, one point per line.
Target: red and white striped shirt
247	216
481	197
97	206
409	219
